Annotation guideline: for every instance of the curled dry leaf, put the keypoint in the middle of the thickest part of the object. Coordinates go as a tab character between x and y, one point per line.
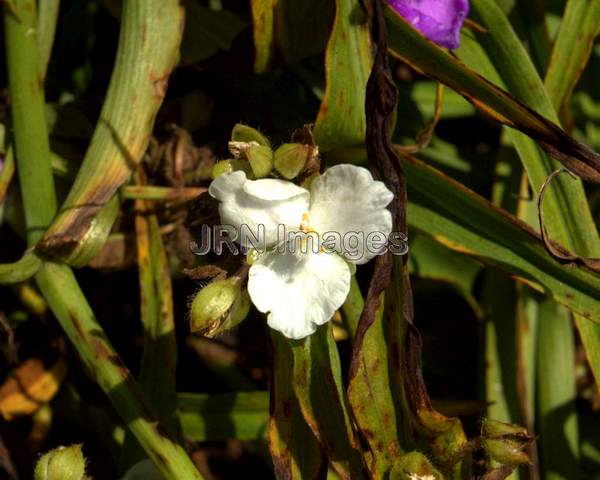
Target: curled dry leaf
558	251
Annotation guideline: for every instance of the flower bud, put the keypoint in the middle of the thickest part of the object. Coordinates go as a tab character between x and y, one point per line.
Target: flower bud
496	429
261	160
291	158
219	306
224	166
246	134
412	466
62	463
506	451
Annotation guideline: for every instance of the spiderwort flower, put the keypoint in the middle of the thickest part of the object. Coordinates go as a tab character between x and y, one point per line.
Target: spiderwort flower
438	20
302	289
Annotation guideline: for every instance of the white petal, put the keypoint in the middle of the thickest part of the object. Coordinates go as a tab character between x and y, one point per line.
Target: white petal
300	291
347	200
268	202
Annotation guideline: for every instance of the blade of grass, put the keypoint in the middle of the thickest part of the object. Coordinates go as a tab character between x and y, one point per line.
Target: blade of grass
567	216
152	192
465	222
579	27
57	282
47	18
571	210
60	288
353	307
372	401
295	451
159	356
341	120
558	429
263	23
408	45
318	386
240	415
148	49
535	30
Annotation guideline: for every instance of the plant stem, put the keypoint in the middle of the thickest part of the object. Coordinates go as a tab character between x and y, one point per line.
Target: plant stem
60	288
57	282
29	121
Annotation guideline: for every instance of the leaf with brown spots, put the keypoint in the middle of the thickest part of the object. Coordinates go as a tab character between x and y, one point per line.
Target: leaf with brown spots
317	382
149	45
294	449
426	57
341	120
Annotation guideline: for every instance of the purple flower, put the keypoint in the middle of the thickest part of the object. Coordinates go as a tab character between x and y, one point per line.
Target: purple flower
439	20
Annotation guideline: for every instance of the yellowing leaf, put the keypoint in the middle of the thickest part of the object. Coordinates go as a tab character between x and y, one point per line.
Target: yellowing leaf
28	387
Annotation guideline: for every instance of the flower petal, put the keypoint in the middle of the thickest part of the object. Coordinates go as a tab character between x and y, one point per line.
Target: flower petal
300	291
348	201
268	202
439	20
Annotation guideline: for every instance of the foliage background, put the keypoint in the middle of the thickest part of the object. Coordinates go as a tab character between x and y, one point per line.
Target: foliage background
492	346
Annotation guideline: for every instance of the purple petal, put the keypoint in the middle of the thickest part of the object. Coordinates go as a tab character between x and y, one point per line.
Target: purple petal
439	20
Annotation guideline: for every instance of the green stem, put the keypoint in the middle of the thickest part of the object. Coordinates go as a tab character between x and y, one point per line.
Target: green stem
57	282
46	28
19	271
149	192
29	121
60	288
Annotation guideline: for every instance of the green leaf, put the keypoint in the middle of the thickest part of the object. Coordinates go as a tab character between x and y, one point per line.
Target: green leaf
159	355
294	448
263	23
318	386
428	259
216	417
407	44
466	222
579	27
65	298
207	31
556	393
567	217
341	120
149	45
294	40
371	398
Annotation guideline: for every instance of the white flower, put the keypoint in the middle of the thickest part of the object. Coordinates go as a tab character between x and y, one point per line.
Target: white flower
302	290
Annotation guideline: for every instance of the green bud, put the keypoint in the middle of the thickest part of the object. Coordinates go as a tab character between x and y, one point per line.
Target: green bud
496	429
244	133
219	306
414	465
506	451
261	160
224	166
62	463
291	158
